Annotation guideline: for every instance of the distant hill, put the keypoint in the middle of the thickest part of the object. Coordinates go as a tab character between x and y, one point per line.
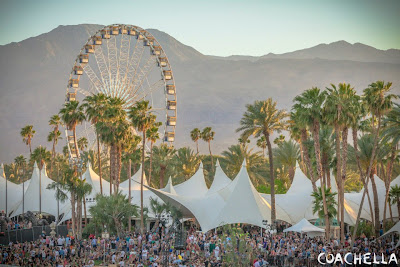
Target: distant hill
211	91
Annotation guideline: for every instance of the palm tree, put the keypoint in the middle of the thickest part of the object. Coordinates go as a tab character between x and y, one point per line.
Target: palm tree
162	157
319	206
379	102
391	132
263	118
262	143
142	119
72	115
20	162
54	121
82	190
208	135
186	162
114	130
309	107
152	136
82	143
233	159
337	110
41	155
394	196
95	106
287	154
157	208
27	134
195	134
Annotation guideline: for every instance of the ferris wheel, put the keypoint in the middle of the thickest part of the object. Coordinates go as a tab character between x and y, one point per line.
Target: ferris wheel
127	62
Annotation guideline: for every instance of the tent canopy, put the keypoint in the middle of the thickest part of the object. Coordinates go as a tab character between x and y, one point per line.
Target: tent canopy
304	227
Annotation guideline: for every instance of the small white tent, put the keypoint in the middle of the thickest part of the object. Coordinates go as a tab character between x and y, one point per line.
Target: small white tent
305	227
220	181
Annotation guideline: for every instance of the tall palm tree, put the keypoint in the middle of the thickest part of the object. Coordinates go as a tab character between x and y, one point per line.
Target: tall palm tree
142	119
262	143
195	134
379	101
309	105
287	154
391	133
55	122
82	190
82	143
152	136
263	118
41	155
27	134
337	112
208	135
20	162
72	115
95	106
162	157
330	202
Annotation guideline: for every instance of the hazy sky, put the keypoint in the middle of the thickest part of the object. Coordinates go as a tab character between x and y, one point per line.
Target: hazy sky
247	27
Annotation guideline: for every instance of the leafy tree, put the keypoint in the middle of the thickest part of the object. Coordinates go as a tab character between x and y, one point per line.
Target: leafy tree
195	134
142	119
394	196
162	157
330	202
152	136
186	162
113	211
20	162
82	143
40	155
55	122
262	143
286	154
263	118
27	134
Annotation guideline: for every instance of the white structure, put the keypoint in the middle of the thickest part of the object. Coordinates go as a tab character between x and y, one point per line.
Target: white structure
169	188
14	193
135	181
394	230
37	193
220	181
305	227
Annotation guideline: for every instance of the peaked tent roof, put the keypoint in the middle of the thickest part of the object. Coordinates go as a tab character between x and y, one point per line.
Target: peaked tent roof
394	229
135	181
195	186
220	181
14	194
94	180
245	205
32	194
304	226
169	188
300	182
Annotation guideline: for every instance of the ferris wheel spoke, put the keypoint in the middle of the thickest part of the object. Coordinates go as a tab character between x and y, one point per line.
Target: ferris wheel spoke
151	62
151	89
124	57
95	81
103	68
112	63
83	91
134	62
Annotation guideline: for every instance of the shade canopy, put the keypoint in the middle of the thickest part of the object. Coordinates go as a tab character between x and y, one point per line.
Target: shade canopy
305	227
195	186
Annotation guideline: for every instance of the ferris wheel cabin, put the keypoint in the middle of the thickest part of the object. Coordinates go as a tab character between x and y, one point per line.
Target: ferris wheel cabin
83	58
115	30
171	104
156	50
149	41
171	121
170	89
74	83
78	70
89	48
123	30
105	34
97	40
71	96
169	137
163	62
167	74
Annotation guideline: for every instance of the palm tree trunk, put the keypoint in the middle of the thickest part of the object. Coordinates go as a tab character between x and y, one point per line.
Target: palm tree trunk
73	213
85	211
118	167
151	161
367	177
129	193
328	176
209	148
343	179
162	174
376	203
291	173
339	177
141	183
388	180
307	159
197	146
75	142
30	146
99	161
272	178
316	128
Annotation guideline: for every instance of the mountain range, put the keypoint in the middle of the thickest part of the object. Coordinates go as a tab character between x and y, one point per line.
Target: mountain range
211	90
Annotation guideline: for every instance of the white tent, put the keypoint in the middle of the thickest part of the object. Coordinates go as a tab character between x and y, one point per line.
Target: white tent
394	229
195	186
2	174
34	191
220	181
305	227
169	188
14	193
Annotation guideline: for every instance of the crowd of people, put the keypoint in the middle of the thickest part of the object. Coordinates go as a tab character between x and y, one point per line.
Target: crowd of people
227	246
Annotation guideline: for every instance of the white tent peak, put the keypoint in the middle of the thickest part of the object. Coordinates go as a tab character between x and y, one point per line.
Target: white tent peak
135	180
44	170
304	226
220	181
169	188
35	166
195	186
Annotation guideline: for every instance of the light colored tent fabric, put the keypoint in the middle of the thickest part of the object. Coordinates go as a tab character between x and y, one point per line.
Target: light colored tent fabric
305	227
2	173
135	181
220	181
169	188
32	195
14	194
394	230
195	186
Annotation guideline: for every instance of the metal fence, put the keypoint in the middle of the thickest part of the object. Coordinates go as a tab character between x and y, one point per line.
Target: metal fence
23	235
